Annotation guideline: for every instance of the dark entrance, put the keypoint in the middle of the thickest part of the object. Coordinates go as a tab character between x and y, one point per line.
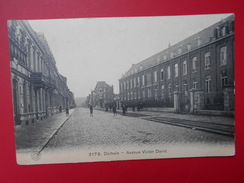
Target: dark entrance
15	103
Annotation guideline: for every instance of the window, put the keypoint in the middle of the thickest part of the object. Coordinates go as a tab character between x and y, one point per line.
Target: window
199	41
208	84
134	95
121	86
223	31
189	47
168	72
185	88
25	96
149	94
155	77
158	59
162	74
124	85
169	88
143	80
194	84
131	83
148	78
134	82
194	64
138	81
185	68
143	94
180	50
128	84
177	88
165	57
223	56
131	95
207	60
176	70
223	76
138	95
156	93
162	91
128	96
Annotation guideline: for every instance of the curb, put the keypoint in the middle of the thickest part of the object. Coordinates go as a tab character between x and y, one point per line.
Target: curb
221	132
53	134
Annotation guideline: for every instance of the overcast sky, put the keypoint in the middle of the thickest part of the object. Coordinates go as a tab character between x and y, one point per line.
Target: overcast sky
88	50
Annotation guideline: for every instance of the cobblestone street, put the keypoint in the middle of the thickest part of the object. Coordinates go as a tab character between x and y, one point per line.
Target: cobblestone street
81	135
105	129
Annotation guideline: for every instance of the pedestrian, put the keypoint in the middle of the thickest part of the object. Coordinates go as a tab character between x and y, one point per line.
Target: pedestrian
133	107
91	110
124	110
60	108
114	111
106	109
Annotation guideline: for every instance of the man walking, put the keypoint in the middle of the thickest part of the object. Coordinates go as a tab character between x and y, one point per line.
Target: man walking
91	110
124	110
114	110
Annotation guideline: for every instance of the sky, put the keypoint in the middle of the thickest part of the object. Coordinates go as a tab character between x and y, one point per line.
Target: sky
87	50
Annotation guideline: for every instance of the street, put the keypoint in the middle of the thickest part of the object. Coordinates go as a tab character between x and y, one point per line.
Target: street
88	138
106	130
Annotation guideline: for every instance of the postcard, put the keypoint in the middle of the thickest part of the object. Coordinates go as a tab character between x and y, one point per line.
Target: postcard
122	88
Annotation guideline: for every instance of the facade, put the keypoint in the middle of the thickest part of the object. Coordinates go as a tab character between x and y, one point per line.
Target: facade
199	70
102	95
38	89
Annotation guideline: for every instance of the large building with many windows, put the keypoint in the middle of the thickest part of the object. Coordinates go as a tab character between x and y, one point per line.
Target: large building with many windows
38	89
202	64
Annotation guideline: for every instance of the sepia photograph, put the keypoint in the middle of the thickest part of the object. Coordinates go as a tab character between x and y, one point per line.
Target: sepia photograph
122	88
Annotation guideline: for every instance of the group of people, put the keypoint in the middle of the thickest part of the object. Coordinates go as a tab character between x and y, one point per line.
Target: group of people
106	110
113	108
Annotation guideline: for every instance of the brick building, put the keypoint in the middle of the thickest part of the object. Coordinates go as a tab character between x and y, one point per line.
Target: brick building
199	70
38	89
102	95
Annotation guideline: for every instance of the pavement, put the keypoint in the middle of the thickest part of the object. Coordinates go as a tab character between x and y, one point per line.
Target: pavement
203	118
215	124
34	137
78	137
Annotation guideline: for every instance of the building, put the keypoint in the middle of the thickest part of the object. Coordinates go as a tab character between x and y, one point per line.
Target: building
102	95
195	73
38	89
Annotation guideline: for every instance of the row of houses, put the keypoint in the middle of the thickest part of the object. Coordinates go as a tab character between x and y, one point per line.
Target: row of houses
197	72
39	90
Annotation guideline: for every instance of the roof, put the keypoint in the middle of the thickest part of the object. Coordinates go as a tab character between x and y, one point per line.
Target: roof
205	37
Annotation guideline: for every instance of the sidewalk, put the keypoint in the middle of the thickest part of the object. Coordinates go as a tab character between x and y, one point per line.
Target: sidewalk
203	118
30	138
216	124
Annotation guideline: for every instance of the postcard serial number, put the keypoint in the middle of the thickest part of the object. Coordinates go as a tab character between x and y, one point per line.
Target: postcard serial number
95	154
